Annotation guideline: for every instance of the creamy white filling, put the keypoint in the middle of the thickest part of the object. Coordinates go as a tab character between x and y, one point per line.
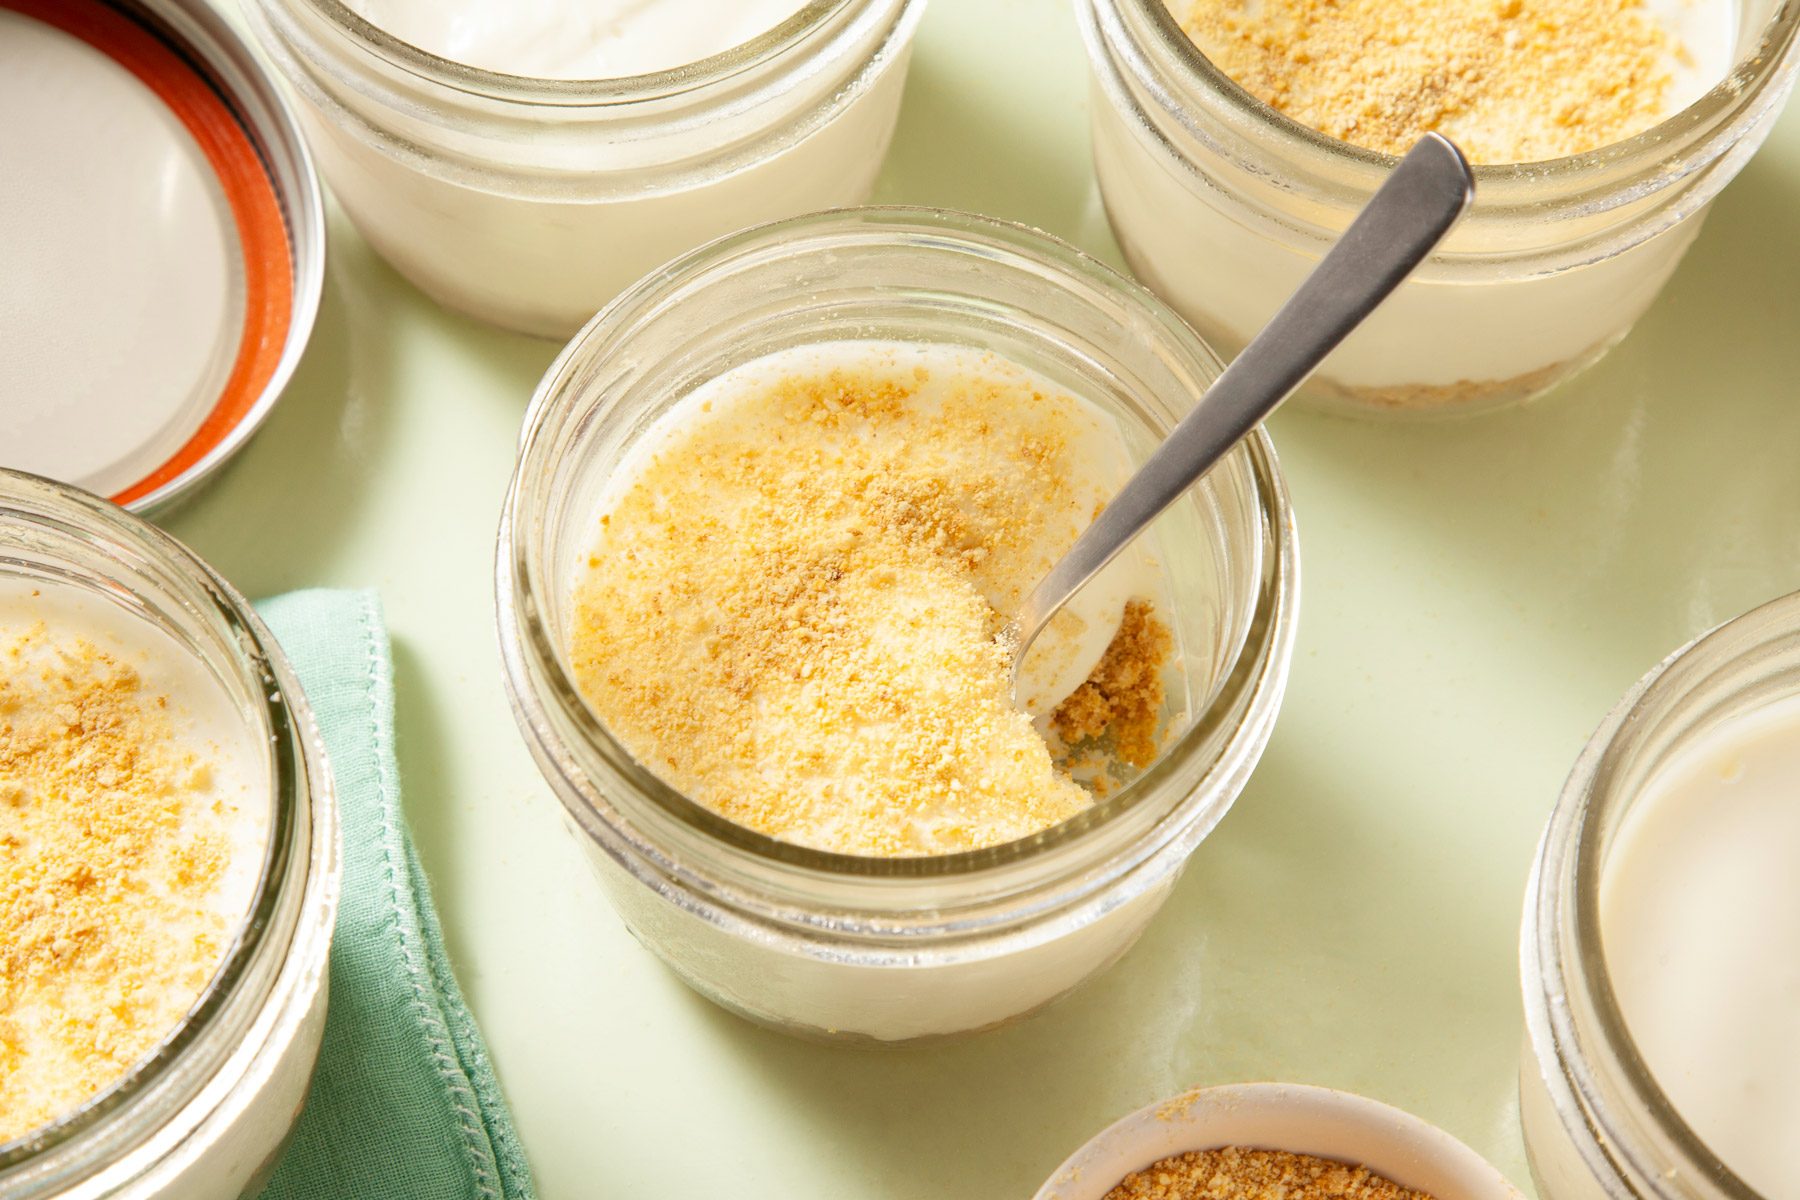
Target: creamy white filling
1700	921
576	39
1705	34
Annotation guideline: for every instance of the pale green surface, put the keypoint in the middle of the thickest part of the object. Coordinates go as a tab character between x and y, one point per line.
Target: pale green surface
1476	595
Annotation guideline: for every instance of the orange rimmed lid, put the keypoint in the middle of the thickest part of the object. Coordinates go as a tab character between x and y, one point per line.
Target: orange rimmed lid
152	292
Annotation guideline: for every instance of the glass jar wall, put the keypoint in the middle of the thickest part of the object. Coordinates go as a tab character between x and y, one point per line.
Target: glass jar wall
532	202
894	949
1598	1122
1222	205
205	1114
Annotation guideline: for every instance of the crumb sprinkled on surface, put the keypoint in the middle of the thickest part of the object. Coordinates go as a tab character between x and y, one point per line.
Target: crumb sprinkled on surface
111	849
1508	80
791	613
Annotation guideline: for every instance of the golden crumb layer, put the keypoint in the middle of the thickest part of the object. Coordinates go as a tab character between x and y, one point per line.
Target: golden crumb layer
107	934
1236	1173
1508	80
1123	697
791	612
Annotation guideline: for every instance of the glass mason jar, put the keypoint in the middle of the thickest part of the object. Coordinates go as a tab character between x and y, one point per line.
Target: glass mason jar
894	949
532	202
1222	205
204	1115
1597	1124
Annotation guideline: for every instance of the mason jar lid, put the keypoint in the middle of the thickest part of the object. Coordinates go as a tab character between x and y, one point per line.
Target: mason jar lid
164	243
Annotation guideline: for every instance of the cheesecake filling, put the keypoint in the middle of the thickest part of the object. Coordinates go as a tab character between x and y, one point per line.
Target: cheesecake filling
791	610
1507	80
576	39
130	845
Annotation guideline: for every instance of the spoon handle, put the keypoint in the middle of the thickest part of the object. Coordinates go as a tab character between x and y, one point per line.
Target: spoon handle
1408	216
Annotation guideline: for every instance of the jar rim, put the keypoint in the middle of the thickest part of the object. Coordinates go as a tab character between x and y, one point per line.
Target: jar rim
715	68
294	758
1254	677
1573	853
1668	139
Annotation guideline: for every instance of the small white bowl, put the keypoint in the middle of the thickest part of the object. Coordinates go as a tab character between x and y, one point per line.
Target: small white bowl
1281	1116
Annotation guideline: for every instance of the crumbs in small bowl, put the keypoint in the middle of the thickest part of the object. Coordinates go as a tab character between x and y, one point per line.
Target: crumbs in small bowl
1236	1173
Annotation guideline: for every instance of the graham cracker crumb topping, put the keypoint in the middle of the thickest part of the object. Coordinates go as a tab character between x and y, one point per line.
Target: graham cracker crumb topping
111	848
1124	694
792	610
1508	80
1236	1173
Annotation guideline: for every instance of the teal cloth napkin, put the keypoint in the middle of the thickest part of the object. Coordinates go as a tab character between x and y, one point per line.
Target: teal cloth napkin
404	1103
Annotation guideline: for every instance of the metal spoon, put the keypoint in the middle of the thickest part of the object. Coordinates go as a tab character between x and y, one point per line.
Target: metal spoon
1410	214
